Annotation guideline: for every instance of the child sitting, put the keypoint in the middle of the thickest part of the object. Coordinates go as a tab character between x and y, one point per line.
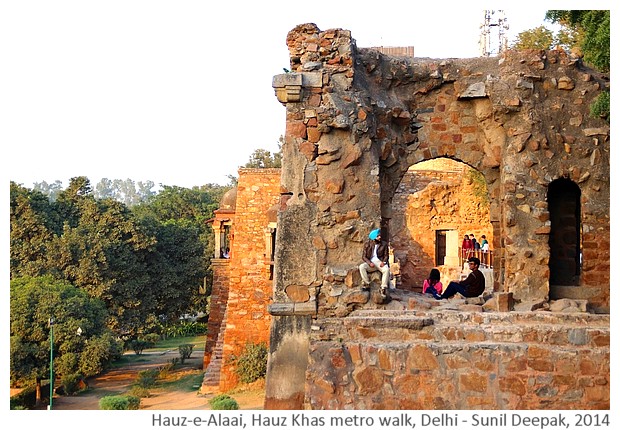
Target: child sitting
432	285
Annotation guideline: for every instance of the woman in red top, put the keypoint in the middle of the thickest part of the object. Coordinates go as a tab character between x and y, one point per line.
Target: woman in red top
467	246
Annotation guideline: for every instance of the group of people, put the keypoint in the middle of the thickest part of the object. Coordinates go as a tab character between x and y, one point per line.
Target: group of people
376	257
470	243
472	286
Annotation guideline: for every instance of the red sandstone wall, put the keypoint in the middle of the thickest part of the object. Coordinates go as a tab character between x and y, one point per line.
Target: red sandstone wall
250	287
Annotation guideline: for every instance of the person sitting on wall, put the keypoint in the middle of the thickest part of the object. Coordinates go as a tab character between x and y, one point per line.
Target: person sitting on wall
375	255
227	253
472	286
432	285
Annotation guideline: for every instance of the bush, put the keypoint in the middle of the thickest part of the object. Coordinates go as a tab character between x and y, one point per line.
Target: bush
137	345
600	106
71	383
139	392
133	402
147	378
185	329
165	369
67	363
223	402
186	351
119	403
252	364
151	339
98	353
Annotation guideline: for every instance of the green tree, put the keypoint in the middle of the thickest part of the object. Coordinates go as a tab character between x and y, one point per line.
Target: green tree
34	301
177	217
50	190
595	25
32	227
142	262
537	38
262	159
106	253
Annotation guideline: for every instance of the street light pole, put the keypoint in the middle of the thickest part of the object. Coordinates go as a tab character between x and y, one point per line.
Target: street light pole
51	362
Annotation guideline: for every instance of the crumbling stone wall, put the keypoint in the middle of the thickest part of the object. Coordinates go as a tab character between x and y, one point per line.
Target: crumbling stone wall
356	120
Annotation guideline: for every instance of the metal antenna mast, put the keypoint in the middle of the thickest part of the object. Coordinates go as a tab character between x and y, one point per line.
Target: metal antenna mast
486	40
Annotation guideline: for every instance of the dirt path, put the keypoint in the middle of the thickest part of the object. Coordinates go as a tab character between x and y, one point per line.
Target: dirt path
119	381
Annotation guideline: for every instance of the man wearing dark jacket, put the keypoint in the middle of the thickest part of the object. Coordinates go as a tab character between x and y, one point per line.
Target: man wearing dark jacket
472	286
375	255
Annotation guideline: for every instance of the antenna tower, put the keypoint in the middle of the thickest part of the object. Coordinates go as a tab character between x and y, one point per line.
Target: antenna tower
495	22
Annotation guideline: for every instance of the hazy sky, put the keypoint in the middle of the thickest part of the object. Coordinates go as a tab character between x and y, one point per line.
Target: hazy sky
180	92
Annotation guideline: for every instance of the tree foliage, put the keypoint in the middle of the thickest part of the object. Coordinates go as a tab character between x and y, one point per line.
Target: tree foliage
262	159
126	191
34	301
144	263
537	38
595	25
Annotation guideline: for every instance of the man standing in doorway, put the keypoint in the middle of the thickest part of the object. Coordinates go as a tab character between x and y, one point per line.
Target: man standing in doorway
375	255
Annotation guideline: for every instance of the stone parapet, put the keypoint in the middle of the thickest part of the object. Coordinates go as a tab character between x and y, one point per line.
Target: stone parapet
459	360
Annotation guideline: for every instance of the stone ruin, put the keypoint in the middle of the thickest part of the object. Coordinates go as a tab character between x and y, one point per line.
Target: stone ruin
360	126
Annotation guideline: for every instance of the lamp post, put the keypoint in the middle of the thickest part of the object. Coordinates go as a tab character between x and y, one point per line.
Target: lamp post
51	362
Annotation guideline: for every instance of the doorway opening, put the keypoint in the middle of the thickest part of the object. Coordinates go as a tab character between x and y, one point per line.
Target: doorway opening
565	254
436	203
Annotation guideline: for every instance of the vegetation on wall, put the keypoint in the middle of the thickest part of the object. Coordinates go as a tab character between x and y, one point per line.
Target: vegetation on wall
479	186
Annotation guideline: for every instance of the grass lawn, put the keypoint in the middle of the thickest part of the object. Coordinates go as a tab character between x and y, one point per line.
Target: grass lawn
174	342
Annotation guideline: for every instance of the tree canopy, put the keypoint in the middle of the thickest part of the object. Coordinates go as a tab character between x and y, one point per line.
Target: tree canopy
35	302
146	263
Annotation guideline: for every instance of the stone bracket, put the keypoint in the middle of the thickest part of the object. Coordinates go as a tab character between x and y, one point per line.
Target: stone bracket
293	308
288	86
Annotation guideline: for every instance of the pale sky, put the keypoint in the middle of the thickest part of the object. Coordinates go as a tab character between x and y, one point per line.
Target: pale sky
180	92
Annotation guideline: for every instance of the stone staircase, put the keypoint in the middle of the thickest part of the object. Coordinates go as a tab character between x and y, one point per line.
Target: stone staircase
453	359
211	380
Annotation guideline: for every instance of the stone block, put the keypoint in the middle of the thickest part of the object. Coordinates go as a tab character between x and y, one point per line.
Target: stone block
505	302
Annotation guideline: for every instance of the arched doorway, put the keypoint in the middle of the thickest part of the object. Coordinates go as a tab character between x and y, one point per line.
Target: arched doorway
564	200
436	203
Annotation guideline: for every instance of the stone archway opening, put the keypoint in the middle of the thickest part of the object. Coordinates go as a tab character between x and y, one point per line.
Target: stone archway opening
436	203
565	247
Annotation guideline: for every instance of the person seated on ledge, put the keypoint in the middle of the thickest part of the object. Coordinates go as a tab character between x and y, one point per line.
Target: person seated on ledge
432	285
472	286
375	255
